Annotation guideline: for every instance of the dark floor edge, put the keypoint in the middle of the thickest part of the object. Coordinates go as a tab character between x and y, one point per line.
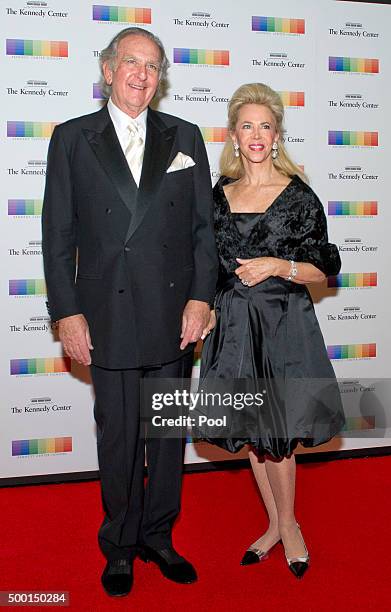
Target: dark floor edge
43	479
192	468
369	1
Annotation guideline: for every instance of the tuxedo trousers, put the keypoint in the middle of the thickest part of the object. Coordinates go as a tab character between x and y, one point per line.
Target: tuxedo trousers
135	514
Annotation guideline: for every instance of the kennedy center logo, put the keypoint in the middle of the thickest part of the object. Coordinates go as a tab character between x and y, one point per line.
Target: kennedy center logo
354	314
277	25
30	129
360	423
292	98
121	14
351	351
353	64
353	30
36	8
354	101
216	135
344	208
49	365
40	88
200	19
24	208
41	446
353	279
356	246
27	287
353	139
201	57
353	173
97	92
37	48
200	94
279	59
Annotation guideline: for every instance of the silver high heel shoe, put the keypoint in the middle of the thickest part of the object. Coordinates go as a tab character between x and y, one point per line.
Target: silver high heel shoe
255	555
299	565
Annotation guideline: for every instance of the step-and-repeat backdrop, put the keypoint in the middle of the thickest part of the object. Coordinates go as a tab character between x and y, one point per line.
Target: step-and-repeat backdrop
330	61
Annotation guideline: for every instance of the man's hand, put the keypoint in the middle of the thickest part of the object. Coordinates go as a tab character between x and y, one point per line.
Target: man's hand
211	325
195	319
75	337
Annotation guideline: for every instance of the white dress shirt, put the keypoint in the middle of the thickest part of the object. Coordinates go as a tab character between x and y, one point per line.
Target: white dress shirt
121	123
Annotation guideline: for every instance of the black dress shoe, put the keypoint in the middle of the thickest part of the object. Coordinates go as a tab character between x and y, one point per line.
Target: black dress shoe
117	577
255	555
299	565
298	568
173	566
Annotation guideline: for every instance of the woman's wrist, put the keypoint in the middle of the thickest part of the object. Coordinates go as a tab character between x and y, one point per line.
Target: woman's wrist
283	268
292	271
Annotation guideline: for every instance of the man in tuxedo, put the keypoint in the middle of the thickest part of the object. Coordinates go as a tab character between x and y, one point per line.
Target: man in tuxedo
131	266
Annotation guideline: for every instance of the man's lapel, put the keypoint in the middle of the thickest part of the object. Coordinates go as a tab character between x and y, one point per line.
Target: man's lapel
157	155
107	149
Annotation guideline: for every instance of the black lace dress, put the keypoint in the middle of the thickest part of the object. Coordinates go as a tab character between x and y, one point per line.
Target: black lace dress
267	341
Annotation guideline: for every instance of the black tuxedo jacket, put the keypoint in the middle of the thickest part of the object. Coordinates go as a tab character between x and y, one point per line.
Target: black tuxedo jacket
127	258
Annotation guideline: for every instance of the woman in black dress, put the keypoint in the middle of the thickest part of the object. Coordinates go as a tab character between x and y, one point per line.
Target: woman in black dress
272	240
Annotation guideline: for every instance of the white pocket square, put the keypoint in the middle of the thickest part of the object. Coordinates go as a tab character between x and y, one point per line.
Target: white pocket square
181	162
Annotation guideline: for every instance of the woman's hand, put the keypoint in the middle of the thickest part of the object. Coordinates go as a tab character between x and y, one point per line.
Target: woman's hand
254	271
210	326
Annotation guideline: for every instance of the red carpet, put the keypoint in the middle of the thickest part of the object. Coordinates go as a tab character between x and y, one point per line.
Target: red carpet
48	542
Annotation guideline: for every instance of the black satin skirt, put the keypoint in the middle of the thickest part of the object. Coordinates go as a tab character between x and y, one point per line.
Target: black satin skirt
267	345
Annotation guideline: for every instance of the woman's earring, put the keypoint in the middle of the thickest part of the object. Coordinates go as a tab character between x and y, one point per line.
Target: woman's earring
274	150
236	148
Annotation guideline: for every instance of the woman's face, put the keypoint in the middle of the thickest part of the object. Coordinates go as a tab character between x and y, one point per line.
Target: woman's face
255	132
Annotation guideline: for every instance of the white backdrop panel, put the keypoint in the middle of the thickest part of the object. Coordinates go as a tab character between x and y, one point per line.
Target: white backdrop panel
47	420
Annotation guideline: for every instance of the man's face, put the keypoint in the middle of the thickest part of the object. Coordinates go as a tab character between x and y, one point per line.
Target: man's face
135	77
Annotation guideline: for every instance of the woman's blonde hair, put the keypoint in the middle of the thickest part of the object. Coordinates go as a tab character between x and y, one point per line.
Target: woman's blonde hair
256	93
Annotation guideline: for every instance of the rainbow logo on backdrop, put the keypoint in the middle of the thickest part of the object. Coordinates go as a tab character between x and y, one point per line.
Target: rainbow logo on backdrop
353	279
353	139
356	209
197	357
28	286
50	365
97	93
213	134
359	423
351	351
25	207
292	98
206	57
37	48
41	446
124	14
277	24
353	64
30	129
